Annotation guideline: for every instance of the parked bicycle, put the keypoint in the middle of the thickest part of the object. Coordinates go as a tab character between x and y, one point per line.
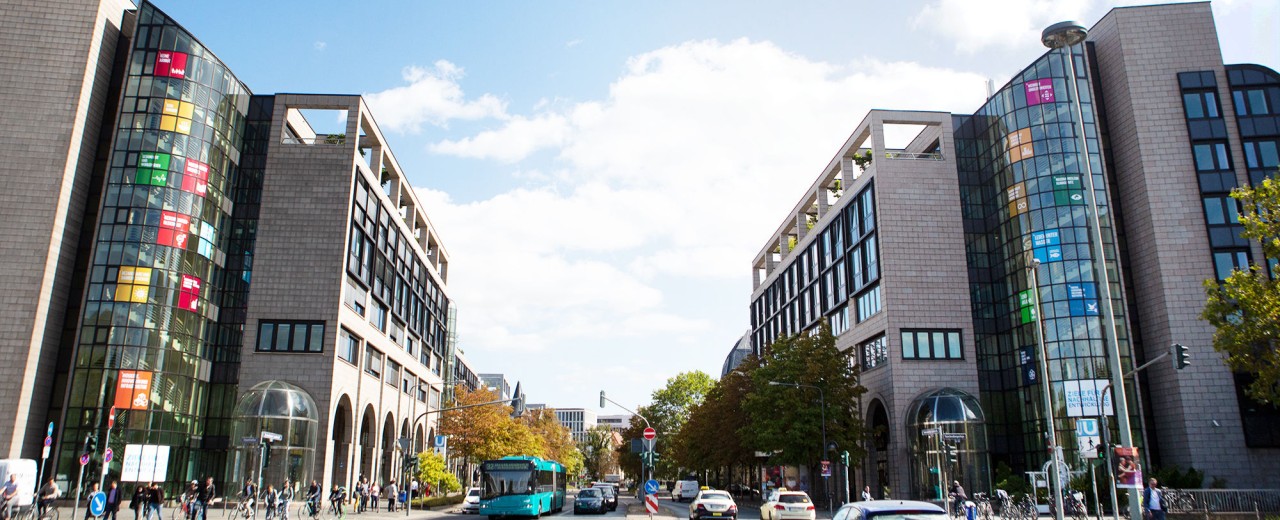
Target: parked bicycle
1179	501
983	502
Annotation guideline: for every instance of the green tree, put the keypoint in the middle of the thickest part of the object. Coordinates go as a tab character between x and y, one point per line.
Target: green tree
627	461
488	432
432	470
712	437
556	438
1245	309
669	411
788	420
599	453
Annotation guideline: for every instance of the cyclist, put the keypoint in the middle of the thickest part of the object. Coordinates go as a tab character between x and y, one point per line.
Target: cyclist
336	499
48	493
958	497
9	496
313	499
269	499
188	500
285	496
204	496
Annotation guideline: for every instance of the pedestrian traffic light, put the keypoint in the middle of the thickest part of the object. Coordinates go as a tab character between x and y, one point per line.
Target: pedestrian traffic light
1181	359
844	458
90	443
952	456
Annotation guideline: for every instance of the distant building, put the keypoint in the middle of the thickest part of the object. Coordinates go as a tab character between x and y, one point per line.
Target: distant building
619	423
578	420
739	352
497	383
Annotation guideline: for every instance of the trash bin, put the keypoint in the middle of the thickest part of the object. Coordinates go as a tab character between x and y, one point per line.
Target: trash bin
970	510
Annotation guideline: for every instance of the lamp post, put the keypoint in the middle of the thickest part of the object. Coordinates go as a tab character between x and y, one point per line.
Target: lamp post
643	477
1043	354
1061	36
822	400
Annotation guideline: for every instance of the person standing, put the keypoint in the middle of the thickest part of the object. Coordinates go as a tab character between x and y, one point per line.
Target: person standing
138	503
88	498
390	492
9	496
1153	501
155	497
413	489
374	490
114	496
204	495
866	493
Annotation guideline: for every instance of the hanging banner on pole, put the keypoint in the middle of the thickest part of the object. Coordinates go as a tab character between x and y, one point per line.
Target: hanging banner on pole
1127	470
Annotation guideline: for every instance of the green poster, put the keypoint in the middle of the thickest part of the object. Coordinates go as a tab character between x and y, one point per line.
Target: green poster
1024	298
152	177
1028	314
1067	190
152	160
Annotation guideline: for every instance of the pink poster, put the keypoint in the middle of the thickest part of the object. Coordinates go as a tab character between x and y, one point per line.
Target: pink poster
1039	91
196	179
173	229
171	63
189	294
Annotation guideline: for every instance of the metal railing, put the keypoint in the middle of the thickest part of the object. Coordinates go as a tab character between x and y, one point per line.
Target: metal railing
332	139
1223	500
915	156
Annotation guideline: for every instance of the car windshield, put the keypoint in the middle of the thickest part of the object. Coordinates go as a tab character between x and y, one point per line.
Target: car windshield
589	493
717	495
502	483
606	491
474	493
794	499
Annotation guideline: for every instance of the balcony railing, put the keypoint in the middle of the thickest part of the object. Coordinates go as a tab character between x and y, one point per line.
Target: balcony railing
331	139
933	156
1223	500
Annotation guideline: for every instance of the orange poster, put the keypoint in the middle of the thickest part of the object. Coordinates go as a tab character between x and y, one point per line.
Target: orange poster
133	390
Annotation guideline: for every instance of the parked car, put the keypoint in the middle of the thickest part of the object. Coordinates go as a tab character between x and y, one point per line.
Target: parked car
788	505
590	500
685	490
610	495
890	510
471	503
713	504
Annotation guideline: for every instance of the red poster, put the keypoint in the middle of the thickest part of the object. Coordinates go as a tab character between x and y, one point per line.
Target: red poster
173	229
172	64
189	295
133	390
196	179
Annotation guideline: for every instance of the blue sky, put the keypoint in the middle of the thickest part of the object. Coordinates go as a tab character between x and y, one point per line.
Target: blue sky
603	173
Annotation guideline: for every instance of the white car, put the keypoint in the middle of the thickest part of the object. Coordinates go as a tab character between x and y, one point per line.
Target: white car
471	504
788	505
712	503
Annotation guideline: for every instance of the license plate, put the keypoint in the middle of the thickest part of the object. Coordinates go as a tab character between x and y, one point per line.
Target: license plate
715	514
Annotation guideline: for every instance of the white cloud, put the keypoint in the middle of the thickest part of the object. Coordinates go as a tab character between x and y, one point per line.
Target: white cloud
432	96
973	26
641	230
320	45
573	43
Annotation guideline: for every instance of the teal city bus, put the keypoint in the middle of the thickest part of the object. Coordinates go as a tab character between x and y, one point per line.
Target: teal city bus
521	486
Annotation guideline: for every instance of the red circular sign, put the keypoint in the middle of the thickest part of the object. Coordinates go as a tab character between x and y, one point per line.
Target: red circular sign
108	455
84	459
650	433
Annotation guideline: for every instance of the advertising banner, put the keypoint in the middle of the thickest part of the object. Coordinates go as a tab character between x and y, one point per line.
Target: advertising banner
1039	91
1067	190
172	64
133	390
1017	200
1019	144
1027	306
133	284
195	177
153	169
173	229
1126	468
189	293
144	463
1046	246
1085	398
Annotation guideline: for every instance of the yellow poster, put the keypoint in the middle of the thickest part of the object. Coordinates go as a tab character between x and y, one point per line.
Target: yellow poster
1017	200
1019	145
133	284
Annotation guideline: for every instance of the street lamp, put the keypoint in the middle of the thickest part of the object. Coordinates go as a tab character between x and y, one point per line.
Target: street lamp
1061	36
604	399
825	454
1033	267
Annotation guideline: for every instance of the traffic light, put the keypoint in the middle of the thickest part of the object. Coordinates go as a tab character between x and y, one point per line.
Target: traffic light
1181	359
90	443
952	456
602	398
844	458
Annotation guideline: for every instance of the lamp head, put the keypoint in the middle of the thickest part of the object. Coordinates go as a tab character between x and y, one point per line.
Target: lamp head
1063	34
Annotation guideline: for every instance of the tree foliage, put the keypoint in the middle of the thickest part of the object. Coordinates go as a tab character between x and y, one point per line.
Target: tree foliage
669	411
488	432
598	449
788	420
1245	309
627	461
433	470
713	436
556	438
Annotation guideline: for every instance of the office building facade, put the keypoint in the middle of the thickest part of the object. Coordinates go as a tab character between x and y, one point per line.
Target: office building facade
578	421
1072	217
224	270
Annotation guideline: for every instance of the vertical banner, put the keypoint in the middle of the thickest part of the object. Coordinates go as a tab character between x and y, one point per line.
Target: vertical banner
172	64
189	293
133	390
1127	470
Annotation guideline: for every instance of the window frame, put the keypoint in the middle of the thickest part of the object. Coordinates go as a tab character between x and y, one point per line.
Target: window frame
931	336
278	345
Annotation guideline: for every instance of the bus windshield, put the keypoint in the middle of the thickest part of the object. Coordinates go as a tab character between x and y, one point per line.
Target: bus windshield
506	482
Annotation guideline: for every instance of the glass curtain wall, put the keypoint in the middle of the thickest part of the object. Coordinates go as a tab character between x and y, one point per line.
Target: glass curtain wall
152	305
1022	162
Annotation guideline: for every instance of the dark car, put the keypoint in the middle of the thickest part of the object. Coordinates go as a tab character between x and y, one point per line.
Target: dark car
890	510
590	500
610	495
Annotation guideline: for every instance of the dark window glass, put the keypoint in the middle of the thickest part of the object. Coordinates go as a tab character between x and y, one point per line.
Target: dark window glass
932	344
1225	262
348	346
290	336
874	352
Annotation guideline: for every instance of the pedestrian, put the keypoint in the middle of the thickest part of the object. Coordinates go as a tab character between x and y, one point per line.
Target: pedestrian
155	497
361	494
93	488
390	492
1153	501
374	490
114	496
413	489
866	493
204	495
138	503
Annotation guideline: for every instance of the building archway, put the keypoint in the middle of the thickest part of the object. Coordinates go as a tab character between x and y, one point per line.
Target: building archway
343	423
939	418
388	448
420	439
368	441
878	452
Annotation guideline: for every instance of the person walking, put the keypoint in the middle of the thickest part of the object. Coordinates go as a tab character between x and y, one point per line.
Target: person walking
139	502
88	498
1153	506
390	492
155	497
204	495
374	490
114	496
361	494
286	497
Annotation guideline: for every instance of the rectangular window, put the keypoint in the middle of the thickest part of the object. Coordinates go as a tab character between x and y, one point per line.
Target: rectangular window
392	376
1225	262
1211	157
380	316
348	346
874	352
1200	105
931	344
290	336
869	303
1262	154
373	362
355	296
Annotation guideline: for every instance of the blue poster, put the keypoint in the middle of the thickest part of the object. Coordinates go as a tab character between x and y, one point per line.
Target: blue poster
1048	254
1077	291
1083	307
1048	237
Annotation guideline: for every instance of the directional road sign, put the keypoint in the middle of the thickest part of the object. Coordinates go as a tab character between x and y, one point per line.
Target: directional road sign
929	432
650	433
97	503
651	503
651	487
49	431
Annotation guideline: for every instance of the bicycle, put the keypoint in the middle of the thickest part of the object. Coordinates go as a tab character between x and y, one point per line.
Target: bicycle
185	510
310	510
244	510
983	503
1179	501
32	512
335	511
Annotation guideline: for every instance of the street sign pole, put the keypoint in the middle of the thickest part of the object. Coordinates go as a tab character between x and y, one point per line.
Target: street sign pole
106	445
75	508
44	456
